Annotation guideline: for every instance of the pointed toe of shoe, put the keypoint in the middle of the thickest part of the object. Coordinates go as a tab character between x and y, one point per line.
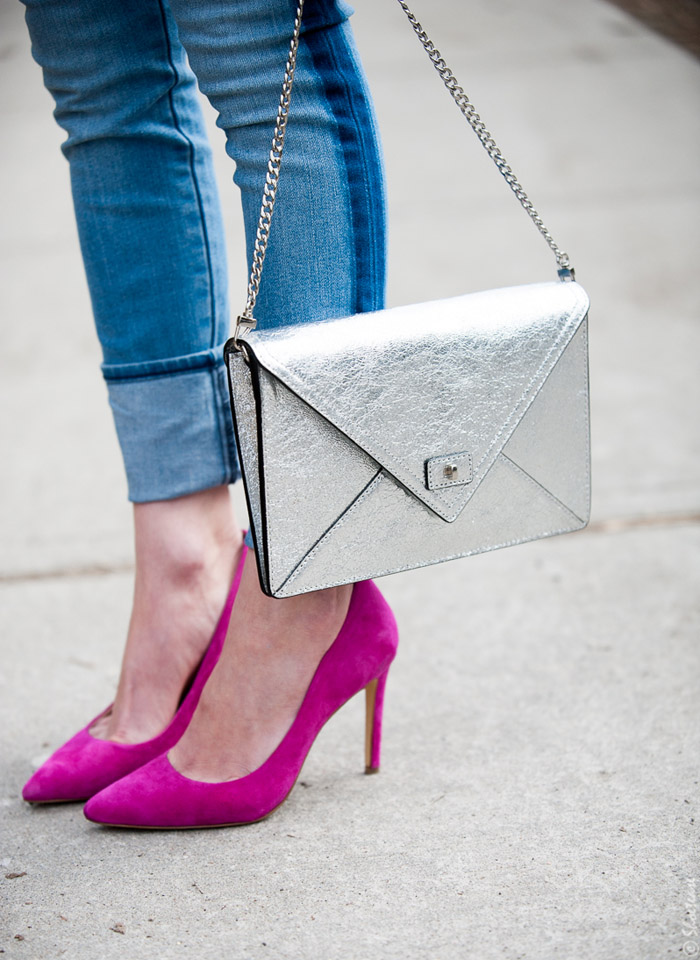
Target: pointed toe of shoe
68	774
85	765
44	787
116	806
103	808
144	798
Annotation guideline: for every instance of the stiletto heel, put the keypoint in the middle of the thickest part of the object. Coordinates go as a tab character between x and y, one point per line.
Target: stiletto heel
158	796
85	764
374	704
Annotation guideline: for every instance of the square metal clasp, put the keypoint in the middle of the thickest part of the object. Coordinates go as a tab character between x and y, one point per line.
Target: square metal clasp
448	470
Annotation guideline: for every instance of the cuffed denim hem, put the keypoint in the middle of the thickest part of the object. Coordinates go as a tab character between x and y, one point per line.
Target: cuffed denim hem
174	425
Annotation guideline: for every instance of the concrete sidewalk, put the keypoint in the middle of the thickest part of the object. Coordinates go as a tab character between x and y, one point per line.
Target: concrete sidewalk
539	790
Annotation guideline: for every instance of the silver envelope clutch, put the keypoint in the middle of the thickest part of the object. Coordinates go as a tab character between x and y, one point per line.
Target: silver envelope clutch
390	440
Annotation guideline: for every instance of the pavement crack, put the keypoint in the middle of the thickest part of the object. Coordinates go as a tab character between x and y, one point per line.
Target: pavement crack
67	573
622	524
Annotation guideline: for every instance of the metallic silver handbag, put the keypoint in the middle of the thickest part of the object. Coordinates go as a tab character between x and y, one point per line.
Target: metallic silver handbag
390	440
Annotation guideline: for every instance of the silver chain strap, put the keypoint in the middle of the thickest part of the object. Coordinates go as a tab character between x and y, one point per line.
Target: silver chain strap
246	321
487	141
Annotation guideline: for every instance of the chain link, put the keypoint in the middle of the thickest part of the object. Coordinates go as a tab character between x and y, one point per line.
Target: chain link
246	320
488	143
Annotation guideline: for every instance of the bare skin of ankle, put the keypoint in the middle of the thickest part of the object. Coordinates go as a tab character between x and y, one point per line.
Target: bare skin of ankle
272	650
186	554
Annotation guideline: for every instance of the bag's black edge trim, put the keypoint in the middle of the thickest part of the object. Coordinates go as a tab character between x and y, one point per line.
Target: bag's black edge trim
259	554
255	381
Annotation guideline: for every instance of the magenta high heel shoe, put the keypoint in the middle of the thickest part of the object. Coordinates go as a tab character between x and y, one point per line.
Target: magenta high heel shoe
85	765
157	796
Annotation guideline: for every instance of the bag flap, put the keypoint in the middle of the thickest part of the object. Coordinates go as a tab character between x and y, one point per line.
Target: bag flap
431	384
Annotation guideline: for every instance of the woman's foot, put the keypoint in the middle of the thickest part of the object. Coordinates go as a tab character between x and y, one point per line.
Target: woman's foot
272	650
186	553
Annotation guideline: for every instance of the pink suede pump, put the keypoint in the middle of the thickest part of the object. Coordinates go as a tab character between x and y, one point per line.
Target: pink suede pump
85	765
157	796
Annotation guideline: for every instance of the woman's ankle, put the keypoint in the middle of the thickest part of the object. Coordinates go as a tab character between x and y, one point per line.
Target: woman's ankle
177	541
186	552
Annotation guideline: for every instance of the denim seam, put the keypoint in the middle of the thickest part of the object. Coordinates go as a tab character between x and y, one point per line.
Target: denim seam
143	378
366	160
361	212
319	37
193	173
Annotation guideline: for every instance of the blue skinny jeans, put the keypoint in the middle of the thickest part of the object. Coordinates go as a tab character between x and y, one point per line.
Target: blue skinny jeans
123	76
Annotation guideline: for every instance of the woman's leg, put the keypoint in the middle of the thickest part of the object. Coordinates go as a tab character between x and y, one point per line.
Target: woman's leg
326	258
152	241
